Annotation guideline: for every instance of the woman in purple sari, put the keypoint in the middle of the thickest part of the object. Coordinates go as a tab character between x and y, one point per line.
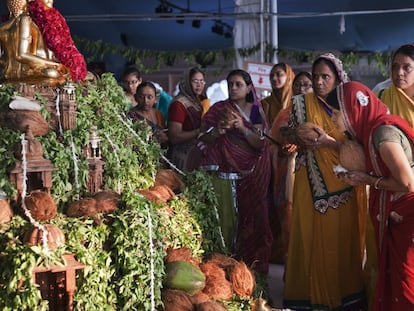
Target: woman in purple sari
235	145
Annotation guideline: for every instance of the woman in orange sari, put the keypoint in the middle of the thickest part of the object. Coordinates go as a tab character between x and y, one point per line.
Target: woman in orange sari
281	78
388	142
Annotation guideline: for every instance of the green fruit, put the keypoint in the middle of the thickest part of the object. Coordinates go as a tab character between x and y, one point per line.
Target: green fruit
183	275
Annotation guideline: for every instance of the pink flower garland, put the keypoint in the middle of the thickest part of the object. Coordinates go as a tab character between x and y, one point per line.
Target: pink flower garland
58	39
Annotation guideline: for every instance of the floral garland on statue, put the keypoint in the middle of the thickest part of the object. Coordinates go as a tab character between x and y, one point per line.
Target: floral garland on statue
57	37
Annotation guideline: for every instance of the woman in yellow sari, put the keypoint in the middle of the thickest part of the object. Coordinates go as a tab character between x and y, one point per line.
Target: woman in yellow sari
399	97
324	263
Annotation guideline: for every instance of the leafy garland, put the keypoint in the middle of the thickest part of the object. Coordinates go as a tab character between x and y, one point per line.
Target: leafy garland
99	49
57	37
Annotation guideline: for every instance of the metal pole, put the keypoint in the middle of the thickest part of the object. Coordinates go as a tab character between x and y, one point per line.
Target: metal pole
274	30
261	31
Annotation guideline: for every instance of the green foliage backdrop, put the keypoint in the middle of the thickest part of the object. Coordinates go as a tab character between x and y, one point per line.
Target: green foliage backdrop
149	61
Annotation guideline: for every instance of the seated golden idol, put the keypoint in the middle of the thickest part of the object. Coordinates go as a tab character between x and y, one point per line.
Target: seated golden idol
25	57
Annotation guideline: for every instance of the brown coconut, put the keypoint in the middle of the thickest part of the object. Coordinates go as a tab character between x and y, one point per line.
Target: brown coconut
149	195
352	156
225	115
217	286
107	201
82	207
210	306
176	300
199	298
20	119
157	194
41	205
225	262
163	192
6	213
181	254
242	279
170	178
55	236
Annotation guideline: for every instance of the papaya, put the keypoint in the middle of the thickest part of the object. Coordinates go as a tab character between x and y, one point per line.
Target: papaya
183	275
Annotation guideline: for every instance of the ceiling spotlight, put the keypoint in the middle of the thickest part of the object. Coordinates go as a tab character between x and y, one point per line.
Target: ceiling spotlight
228	34
180	19
196	23
218	28
162	8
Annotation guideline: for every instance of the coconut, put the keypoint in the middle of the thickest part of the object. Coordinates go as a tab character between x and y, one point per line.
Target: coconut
199	298
225	262
182	253
176	300
158	194
242	279
164	192
210	306
41	205
217	286
352	156
170	178
82	207
225	115
107	201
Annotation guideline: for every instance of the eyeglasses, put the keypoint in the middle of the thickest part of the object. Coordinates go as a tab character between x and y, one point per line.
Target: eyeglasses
195	81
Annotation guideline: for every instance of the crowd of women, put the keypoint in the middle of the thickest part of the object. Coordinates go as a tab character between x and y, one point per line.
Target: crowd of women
345	236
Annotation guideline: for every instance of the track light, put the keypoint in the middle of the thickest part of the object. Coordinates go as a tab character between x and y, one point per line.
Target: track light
180	19
218	28
162	8
228	34
196	23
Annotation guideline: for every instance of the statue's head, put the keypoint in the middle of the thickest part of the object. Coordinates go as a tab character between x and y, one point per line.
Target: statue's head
16	7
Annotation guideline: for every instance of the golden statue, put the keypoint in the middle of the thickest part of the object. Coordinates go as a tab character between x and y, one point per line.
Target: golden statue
25	57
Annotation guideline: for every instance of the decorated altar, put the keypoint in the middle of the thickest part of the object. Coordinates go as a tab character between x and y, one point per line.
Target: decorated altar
92	216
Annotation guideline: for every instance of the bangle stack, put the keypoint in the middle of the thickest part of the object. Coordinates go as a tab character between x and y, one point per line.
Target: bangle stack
376	184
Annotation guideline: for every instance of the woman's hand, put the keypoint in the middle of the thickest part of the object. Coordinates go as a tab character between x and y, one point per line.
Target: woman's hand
322	141
356	178
288	149
161	136
237	123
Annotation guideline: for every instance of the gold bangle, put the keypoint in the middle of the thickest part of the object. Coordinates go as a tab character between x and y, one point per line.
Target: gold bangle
377	182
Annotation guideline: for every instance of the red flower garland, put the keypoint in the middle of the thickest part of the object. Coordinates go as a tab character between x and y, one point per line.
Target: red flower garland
57	37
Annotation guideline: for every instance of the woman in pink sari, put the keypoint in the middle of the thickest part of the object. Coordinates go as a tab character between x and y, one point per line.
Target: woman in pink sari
388	143
235	145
